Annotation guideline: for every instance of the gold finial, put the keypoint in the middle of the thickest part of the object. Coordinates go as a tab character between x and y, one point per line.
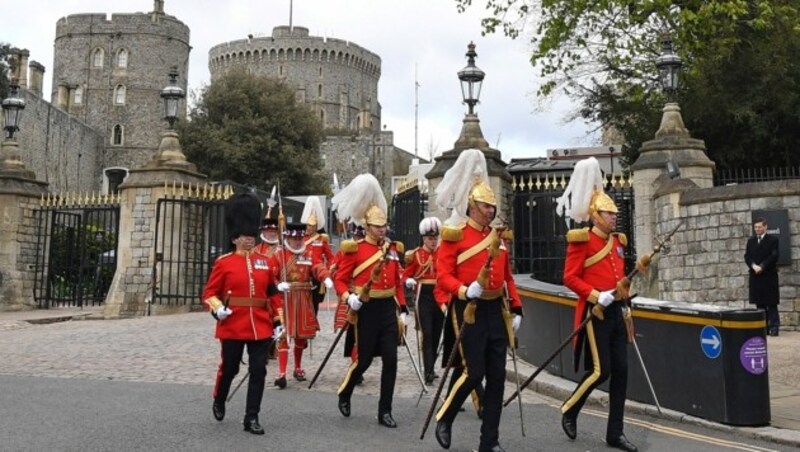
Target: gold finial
182	193
174	187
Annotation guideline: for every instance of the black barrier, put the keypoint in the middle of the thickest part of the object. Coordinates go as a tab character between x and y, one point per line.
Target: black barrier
704	360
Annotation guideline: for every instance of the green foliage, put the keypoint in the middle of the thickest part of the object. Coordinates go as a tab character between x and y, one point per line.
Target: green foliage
250	129
740	67
76	261
5	66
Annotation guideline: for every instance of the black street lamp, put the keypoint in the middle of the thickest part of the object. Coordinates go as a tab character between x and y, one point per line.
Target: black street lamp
172	96
471	79
669	65
12	109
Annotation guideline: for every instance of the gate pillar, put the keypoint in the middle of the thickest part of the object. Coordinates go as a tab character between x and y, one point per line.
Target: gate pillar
139	196
20	194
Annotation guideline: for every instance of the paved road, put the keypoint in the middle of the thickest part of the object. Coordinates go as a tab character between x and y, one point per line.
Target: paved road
145	384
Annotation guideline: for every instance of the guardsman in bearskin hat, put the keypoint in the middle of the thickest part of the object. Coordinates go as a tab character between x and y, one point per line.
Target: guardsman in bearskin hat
368	278
420	273
316	241
241	294
594	265
295	269
473	268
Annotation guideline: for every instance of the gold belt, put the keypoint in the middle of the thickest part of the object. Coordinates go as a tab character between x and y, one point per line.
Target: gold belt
427	281
377	293
491	294
300	285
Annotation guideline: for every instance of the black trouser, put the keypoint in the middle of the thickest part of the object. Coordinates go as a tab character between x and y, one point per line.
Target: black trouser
232	350
317	294
430	320
484	345
376	335
773	317
606	345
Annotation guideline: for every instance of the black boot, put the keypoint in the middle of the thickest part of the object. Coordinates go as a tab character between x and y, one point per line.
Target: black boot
443	434
344	406
218	408
570	426
252	426
621	442
387	420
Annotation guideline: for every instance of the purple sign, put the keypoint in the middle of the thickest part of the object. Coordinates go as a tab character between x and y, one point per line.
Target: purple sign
753	355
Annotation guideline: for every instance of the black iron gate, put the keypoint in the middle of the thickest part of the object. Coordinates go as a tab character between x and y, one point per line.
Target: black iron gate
190	235
540	235
75	254
408	209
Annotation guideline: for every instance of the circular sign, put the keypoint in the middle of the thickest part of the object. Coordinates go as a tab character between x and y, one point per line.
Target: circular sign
710	341
753	355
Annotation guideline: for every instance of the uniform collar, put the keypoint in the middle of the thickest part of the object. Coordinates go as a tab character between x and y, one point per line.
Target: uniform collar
474	225
370	240
599	232
243	253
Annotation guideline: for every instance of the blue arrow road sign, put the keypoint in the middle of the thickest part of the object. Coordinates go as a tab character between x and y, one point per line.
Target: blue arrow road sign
710	341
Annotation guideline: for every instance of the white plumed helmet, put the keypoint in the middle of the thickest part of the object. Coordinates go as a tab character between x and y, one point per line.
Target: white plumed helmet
430	226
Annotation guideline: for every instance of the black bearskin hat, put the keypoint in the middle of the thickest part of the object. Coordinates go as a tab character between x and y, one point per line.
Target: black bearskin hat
242	215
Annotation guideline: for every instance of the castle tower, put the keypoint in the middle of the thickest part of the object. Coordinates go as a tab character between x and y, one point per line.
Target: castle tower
337	78
109	74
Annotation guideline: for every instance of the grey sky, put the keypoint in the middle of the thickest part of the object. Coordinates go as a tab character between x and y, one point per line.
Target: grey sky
428	35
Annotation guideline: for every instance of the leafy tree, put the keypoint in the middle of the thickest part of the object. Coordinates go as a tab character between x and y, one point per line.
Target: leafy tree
250	129
740	67
5	67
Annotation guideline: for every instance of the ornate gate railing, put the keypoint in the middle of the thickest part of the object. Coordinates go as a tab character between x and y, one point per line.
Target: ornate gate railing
408	209
75	250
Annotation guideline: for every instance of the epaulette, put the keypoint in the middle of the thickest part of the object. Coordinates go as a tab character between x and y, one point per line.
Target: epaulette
453	233
399	246
324	238
410	255
508	234
623	239
348	246
578	235
225	255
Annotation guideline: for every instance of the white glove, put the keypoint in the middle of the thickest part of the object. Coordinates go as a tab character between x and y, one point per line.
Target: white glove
222	313
411	283
516	322
354	302
404	318
328	283
474	290
606	298
277	332
284	286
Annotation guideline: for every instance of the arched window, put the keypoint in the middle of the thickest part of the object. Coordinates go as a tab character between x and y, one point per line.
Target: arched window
78	96
97	57
122	59
319	90
118	136
119	95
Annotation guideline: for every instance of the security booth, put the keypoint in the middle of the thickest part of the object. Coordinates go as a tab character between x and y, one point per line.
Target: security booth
703	360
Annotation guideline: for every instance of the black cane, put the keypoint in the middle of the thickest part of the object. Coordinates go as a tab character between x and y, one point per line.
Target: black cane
450	360
330	351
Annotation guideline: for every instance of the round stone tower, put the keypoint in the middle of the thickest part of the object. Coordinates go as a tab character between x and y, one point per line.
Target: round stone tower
337	78
109	73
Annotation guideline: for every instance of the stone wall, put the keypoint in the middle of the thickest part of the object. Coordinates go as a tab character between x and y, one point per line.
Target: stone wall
62	150
706	262
18	236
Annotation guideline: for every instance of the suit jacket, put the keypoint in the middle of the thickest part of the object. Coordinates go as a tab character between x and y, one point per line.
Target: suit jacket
764	288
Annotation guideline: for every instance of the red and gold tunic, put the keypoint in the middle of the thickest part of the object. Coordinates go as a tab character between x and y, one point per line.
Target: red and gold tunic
241	280
355	269
319	247
421	265
453	276
594	263
340	317
297	270
267	249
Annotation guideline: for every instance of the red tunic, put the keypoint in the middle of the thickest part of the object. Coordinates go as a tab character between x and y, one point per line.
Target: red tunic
266	249
421	265
390	280
301	322
243	275
320	249
603	274
453	279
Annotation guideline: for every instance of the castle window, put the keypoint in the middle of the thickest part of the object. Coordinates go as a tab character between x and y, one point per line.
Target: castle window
117	137
280	70
78	96
320	71
122	59
119	95
97	57
319	90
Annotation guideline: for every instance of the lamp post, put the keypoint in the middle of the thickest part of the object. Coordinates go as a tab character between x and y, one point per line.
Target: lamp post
669	66
172	96
471	80
169	151
11	163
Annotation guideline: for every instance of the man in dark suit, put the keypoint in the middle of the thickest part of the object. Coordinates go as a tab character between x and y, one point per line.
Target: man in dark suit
761	257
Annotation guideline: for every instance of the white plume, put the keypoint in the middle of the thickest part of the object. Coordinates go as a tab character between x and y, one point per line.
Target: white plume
585	179
359	195
430	224
313	205
453	191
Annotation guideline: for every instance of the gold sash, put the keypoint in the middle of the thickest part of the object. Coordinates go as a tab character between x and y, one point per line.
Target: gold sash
366	264
600	254
311	239
480	246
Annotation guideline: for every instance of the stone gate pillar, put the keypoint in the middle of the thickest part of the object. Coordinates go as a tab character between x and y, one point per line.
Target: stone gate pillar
672	142
139	196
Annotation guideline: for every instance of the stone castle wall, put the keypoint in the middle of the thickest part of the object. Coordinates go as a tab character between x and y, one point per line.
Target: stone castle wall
153	43
337	78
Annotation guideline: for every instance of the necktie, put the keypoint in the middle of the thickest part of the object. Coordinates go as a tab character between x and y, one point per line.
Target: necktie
759	240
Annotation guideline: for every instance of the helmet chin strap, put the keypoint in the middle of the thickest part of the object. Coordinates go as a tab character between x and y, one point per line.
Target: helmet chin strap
600	223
